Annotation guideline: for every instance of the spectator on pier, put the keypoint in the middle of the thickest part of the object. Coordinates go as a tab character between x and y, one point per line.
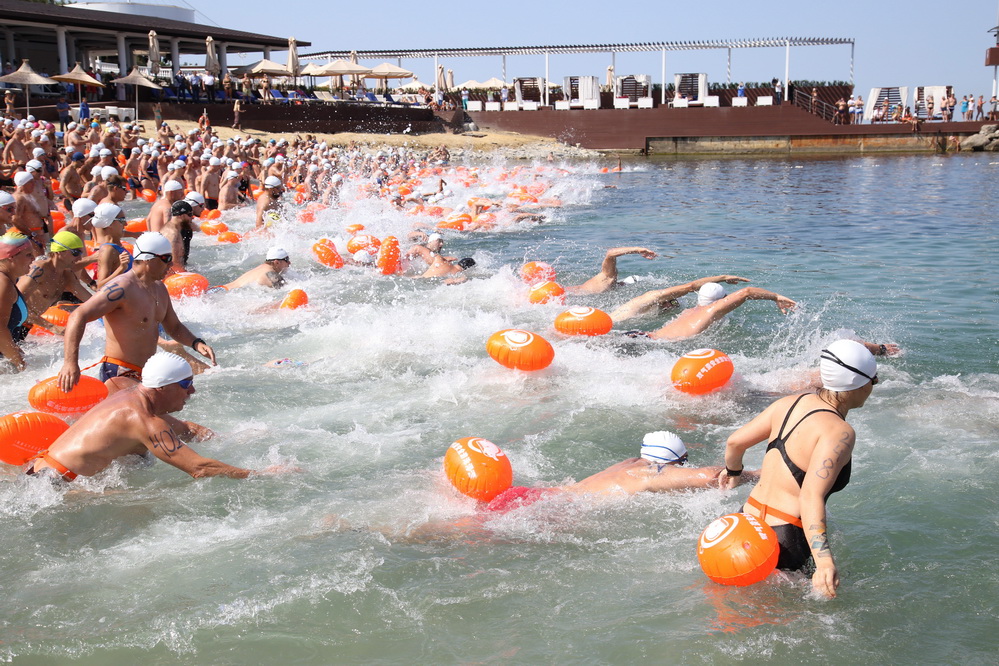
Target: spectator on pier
994	112
815	100
778	92
965	114
741	90
858	110
980	108
929	107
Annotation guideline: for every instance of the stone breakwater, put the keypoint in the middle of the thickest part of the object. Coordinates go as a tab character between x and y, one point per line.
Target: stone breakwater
986	139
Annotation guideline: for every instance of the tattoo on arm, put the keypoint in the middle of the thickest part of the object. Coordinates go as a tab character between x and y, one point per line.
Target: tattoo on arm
113	292
36	272
167	442
829	464
820	543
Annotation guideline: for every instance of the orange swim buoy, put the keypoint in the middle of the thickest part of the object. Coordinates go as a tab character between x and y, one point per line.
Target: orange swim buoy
214	227
229	237
545	292
520	350
363	242
388	257
148	195
186	283
46	396
306	216
213	214
738	549
354	229
534	272
56	316
295	299
326	254
478	468
23	434
583	321
137	226
701	371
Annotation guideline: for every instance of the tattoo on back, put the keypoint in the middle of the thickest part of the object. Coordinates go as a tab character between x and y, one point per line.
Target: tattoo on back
167	442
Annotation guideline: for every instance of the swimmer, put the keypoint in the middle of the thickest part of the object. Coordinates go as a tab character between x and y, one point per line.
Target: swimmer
159	214
131	422
712	306
50	277
807	462
606	279
133	305
452	270
268	274
179	230
429	250
15	259
269	200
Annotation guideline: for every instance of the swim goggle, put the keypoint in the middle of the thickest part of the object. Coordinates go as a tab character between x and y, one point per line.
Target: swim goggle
75	251
185	383
829	356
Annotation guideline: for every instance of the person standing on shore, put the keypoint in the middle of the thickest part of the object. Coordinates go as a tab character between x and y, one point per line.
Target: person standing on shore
237	110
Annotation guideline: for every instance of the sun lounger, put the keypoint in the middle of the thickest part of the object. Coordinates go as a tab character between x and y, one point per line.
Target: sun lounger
278	96
680	103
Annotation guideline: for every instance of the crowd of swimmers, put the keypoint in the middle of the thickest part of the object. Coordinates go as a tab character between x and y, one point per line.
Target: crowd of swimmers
148	364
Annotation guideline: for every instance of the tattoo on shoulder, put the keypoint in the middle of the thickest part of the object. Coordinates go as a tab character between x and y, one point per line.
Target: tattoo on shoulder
113	292
166	441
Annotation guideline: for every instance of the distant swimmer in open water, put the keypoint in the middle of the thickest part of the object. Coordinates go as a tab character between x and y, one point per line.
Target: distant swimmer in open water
268	274
606	279
452	270
809	457
130	422
712	305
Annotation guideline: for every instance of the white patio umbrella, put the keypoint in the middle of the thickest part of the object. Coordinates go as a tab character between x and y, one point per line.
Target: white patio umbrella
412	86
494	83
154	53
79	78
136	79
211	59
469	85
439	81
263	67
610	76
355	79
27	77
386	71
342	68
450	79
293	58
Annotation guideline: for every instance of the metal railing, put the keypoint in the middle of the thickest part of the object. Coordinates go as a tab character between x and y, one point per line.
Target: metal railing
804	100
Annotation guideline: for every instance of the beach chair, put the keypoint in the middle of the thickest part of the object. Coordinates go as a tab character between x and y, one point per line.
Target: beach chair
278	96
370	97
169	95
680	103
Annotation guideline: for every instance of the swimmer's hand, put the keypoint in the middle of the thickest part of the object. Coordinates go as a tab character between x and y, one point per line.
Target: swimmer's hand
205	350
123	260
275	470
69	376
785	304
825	580
734	279
726	482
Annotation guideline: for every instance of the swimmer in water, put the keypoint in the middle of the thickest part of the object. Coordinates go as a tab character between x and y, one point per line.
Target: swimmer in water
712	305
269	200
429	250
809	457
606	279
268	274
130	422
452	270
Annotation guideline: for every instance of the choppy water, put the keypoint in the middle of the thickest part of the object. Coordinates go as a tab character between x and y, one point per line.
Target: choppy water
145	564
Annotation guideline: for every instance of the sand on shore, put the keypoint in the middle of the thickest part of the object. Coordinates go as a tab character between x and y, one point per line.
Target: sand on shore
515	145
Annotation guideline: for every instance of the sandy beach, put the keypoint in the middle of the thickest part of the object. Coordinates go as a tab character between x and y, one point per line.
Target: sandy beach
511	144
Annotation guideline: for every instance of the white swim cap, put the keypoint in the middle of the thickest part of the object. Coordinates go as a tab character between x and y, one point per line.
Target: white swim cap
846	365
433	237
173	186
710	293
195	198
83	207
37	152
6	199
276	253
108	171
214	161
22	178
105	214
663	447
105	152
229	175
272	181
163	369
151	244
363	257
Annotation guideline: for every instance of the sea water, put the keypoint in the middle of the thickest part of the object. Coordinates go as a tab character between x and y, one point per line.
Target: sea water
143	564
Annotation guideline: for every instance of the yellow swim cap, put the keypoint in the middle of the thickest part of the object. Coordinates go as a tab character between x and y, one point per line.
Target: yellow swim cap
65	240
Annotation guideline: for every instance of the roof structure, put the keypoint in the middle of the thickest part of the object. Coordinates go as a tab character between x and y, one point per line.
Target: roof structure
18	13
452	52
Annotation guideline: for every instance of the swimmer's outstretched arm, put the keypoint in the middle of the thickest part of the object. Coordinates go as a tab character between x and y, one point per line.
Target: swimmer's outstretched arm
607	277
725	305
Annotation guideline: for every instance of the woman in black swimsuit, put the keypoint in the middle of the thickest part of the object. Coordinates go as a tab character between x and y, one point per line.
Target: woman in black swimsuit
15	259
808	458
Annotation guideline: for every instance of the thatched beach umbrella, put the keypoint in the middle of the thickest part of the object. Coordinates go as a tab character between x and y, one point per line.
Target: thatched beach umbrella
79	78
136	79
26	77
